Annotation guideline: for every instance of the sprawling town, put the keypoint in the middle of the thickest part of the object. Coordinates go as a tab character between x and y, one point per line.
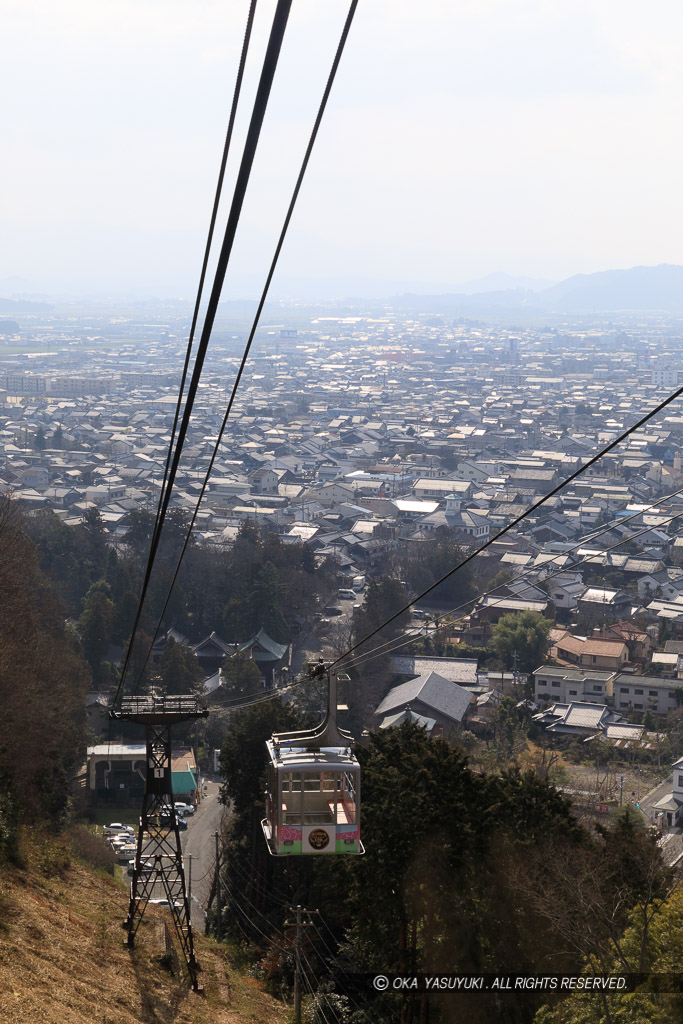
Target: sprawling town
384	448
361	435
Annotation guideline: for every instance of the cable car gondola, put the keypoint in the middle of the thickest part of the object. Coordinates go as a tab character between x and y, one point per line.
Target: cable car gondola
313	791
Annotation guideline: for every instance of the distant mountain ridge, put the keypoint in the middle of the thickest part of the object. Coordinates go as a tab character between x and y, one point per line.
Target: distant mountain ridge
659	287
637	288
24	306
499	281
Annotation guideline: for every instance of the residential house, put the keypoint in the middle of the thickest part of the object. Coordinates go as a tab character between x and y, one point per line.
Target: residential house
429	695
458	670
669	612
637	640
591	652
426	488
580	719
564	591
669	810
493	606
604	603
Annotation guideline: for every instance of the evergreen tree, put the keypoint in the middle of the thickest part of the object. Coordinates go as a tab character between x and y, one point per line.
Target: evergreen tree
179	669
95	628
138	536
263	608
125	610
383	598
244	756
42	683
92	544
241	676
525	634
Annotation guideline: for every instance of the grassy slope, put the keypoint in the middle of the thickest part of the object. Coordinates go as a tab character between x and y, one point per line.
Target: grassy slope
62	958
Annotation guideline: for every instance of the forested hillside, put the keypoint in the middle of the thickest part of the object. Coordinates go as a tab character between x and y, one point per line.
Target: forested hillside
257	583
43	681
464	871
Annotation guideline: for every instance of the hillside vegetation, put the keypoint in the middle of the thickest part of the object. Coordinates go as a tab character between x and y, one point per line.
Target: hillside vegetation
62	958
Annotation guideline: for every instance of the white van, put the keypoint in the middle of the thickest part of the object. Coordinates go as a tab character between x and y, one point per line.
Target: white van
346	595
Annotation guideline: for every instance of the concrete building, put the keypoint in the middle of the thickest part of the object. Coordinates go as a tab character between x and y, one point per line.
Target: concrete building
556	684
640	693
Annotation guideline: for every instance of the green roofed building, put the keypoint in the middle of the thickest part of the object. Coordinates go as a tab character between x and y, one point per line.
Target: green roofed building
184	776
270	656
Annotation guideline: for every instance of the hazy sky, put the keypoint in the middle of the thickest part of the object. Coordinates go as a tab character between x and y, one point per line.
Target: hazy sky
540	138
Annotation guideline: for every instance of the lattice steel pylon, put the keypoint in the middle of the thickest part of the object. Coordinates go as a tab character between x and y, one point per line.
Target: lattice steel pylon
158	858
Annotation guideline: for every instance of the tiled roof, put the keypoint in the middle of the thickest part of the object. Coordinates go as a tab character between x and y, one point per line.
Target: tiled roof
433	691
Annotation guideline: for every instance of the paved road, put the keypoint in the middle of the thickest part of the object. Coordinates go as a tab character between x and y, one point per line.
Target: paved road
199	844
647	803
323	639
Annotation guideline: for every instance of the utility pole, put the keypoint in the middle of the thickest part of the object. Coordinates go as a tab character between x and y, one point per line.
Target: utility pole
297	971
196	762
515	672
298	924
189	878
219	923
621	790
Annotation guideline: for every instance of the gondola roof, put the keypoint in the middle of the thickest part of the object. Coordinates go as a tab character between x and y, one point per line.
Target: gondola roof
299	757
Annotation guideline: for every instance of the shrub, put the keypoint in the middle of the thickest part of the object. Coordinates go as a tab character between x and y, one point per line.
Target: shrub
90	848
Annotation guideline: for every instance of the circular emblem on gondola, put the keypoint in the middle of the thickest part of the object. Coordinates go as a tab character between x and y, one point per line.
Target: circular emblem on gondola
319	839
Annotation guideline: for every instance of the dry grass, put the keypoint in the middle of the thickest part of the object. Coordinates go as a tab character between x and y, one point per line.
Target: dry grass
62	959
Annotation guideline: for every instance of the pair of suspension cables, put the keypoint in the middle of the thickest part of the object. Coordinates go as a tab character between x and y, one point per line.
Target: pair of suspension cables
185	403
184	409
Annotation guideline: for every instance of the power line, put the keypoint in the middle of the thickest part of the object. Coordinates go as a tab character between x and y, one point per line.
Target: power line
515	522
253	133
317	994
265	917
259	310
279	902
620	521
398	642
251	922
337	962
242	702
245	701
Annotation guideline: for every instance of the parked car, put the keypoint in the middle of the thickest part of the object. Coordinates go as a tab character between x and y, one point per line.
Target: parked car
120	839
165	903
116	827
146	867
346	595
184	809
123	853
166	821
331	609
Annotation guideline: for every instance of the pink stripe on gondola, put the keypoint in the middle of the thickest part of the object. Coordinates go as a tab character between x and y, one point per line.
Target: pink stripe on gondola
289	833
348	835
